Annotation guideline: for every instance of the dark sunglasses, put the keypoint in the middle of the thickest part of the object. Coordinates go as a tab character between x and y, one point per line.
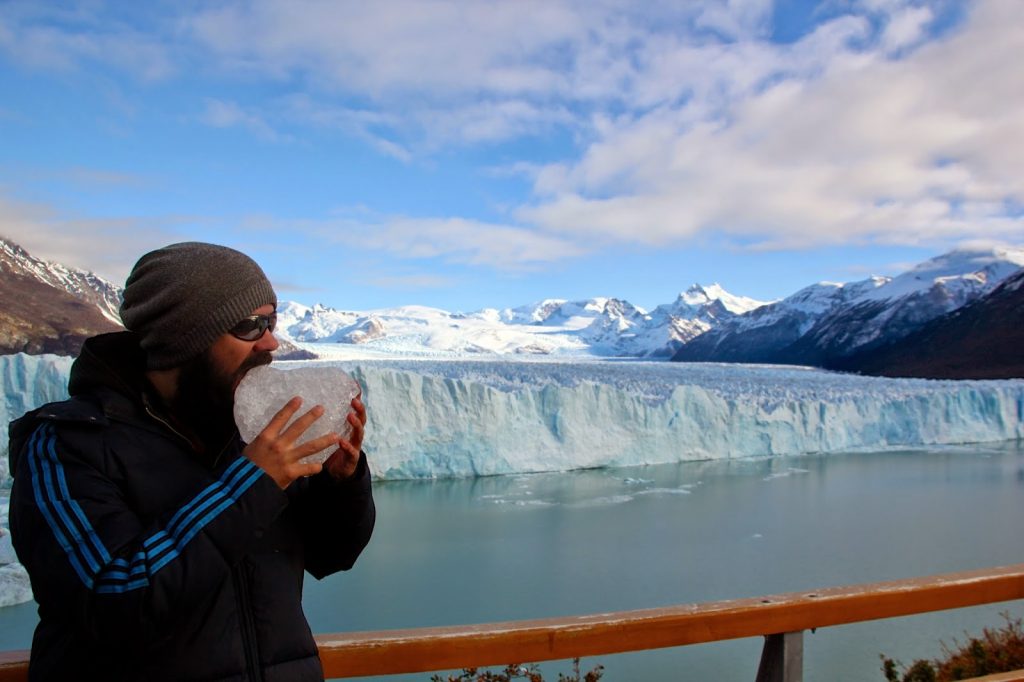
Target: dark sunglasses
254	327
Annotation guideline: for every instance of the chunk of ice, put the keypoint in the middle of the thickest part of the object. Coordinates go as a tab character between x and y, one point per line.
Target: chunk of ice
264	391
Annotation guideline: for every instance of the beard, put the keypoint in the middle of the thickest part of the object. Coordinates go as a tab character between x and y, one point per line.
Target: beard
205	399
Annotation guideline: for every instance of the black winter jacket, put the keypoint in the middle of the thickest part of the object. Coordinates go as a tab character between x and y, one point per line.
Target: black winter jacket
151	562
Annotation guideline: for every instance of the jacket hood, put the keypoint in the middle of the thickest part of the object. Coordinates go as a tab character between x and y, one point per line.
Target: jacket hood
109	364
114	362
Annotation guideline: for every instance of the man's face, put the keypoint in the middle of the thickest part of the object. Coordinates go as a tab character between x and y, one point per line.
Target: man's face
205	397
232	357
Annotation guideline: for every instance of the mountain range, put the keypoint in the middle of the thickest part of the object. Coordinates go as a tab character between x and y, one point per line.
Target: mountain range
824	323
858	326
597	326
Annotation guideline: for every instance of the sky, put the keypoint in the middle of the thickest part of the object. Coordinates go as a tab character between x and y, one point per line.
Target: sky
470	154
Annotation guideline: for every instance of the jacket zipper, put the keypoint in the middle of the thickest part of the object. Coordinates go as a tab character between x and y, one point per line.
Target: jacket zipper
179	434
166	423
245	623
254	671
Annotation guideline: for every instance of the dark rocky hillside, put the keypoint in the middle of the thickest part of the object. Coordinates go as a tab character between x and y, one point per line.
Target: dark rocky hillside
52	308
982	340
38	318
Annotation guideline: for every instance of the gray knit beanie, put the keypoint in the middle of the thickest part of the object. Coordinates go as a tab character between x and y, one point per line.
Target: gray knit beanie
180	298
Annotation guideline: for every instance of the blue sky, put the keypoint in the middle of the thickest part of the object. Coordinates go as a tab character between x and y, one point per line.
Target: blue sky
470	154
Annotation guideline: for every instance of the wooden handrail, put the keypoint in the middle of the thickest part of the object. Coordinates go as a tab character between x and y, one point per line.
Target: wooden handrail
14	666
427	649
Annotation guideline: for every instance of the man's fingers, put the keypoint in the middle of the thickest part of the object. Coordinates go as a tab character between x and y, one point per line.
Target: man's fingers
299	426
360	409
344	461
274	426
279	455
357	428
317	444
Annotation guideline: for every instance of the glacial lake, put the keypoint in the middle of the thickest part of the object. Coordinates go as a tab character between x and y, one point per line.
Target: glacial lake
530	546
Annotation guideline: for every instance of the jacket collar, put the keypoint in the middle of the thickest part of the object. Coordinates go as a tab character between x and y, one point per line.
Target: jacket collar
113	367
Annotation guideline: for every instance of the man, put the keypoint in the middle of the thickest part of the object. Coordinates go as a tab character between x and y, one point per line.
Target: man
159	545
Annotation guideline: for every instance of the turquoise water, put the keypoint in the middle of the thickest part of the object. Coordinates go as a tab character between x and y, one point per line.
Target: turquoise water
515	547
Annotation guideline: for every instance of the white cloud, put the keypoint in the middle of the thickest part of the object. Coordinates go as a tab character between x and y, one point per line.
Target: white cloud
453	240
371	126
736	18
62	39
491	121
689	120
109	246
469	72
906	28
926	147
436	47
222	114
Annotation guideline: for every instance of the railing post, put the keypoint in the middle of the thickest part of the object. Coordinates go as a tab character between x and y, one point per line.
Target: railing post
782	658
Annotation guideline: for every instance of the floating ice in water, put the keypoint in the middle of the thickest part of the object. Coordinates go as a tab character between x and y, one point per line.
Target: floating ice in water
15	587
265	390
786	474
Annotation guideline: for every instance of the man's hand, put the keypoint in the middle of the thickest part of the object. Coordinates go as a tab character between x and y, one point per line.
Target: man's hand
342	463
274	449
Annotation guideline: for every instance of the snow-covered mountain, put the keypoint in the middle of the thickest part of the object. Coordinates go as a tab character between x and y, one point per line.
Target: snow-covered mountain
763	334
48	307
83	285
826	321
597	326
697	310
983	339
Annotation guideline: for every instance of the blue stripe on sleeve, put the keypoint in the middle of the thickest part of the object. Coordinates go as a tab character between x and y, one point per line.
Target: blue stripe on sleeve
43	502
83	523
80	542
244	480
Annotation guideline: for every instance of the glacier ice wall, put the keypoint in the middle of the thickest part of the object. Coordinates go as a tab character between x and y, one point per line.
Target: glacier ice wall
471	418
438	419
28	382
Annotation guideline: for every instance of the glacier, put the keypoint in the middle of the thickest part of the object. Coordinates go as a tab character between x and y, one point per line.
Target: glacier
28	382
461	418
454	419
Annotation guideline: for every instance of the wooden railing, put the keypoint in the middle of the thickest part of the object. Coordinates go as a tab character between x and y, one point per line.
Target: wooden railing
780	618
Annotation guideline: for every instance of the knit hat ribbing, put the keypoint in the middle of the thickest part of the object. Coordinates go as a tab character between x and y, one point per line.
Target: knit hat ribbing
180	298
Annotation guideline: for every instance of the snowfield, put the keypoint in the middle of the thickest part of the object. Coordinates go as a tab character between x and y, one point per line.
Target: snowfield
595	327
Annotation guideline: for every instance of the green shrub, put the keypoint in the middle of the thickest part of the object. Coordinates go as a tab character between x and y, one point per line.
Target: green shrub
996	651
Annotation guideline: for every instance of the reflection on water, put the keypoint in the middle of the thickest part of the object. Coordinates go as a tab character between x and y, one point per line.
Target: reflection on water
515	547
